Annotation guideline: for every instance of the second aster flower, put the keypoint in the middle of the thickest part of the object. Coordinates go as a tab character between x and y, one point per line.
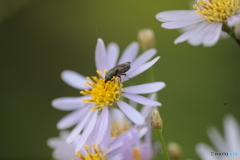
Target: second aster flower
203	25
91	112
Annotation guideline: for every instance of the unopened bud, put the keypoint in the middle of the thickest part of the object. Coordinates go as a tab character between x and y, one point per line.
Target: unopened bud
174	150
146	38
156	120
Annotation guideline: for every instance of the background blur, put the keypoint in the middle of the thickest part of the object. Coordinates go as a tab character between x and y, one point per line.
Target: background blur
40	39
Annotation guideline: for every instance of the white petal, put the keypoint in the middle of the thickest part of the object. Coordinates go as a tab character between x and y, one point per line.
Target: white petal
176	15
181	23
131	112
129	53
101	56
141	69
199	37
73	79
78	128
213	35
112	53
232	133
141	100
144	57
216	139
71	119
204	151
145	88
68	103
87	131
233	20
191	32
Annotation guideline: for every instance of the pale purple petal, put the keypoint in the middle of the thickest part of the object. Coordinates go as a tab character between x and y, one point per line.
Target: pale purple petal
212	35
191	32
112	53
145	88
146	109
144	57
204	151
74	79
55	142
68	103
102	126
232	133
106	138
79	127
87	131
233	20
72	118
131	112
168	16
117	115
101	56
141	69
141	100
127	154
148	142
129	53
142	131
216	139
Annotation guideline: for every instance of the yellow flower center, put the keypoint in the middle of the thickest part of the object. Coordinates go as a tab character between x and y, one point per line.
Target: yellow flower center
119	127
96	155
217	10
136	154
103	93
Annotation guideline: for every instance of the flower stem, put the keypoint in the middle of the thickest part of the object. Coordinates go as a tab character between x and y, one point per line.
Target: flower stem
231	33
159	132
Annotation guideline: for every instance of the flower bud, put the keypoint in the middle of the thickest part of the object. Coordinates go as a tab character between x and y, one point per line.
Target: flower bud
174	150
146	38
156	120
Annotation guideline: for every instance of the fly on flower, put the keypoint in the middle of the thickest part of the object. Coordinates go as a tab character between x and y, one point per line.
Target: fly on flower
100	94
118	70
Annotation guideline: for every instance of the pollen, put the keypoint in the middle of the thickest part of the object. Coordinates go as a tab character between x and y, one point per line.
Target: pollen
119	127
102	93
217	10
94	154
136	153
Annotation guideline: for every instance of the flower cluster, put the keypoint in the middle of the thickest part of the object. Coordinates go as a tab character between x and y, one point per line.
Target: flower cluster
102	94
112	121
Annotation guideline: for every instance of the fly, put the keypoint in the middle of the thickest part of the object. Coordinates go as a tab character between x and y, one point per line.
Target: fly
118	70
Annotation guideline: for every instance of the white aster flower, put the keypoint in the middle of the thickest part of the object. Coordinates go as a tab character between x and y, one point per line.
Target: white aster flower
101	95
229	144
91	151
206	21
135	148
61	149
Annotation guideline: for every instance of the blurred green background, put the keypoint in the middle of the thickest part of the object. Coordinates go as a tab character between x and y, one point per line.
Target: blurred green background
41	38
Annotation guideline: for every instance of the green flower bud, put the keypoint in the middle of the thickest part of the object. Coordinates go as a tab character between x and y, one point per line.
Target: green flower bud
156	120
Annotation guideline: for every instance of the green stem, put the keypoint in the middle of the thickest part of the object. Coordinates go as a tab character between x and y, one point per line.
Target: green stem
231	33
159	131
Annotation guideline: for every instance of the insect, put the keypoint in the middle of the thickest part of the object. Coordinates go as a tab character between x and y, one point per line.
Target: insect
118	70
